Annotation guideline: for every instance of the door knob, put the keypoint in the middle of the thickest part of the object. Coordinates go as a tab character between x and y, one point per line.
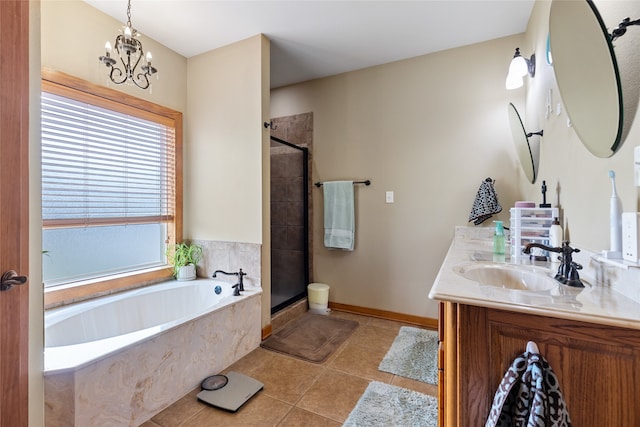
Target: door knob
11	278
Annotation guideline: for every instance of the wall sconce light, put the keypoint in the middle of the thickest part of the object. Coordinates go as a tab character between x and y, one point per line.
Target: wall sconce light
519	68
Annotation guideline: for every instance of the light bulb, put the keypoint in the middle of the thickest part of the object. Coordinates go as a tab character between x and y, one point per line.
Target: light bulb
514	81
149	57
127	32
107	47
518	66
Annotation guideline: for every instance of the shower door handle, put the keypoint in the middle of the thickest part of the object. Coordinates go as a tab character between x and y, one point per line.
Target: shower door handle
11	278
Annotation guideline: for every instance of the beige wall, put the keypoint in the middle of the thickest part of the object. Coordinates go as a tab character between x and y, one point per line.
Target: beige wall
223	177
431	129
265	271
585	188
228	100
36	306
68	36
73	37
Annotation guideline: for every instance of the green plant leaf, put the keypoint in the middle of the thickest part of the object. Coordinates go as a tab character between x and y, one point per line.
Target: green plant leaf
181	254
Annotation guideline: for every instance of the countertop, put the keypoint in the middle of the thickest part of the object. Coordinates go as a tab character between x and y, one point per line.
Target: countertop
610	296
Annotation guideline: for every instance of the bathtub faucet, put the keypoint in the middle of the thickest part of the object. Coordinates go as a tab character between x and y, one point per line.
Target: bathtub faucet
238	287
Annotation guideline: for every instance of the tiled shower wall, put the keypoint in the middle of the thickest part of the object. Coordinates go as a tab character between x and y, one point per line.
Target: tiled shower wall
287	208
287	224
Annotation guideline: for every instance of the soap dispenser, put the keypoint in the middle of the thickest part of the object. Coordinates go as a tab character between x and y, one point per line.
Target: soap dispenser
498	239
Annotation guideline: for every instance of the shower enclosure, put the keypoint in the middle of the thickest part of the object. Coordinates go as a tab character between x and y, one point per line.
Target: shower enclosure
289	223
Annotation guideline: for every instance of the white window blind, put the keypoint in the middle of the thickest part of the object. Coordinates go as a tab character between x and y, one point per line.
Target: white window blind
103	167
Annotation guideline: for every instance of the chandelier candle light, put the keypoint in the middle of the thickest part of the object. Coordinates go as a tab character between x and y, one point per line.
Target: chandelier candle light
129	51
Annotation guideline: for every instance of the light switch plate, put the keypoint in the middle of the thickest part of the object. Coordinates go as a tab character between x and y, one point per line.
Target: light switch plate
389	197
630	235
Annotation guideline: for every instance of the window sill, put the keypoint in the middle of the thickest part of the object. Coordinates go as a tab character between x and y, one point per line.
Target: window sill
80	291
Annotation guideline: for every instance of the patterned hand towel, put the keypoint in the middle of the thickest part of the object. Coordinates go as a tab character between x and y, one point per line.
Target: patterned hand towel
485	204
529	396
339	215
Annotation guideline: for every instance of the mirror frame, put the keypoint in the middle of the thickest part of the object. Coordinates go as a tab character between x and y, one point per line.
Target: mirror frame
529	156
574	68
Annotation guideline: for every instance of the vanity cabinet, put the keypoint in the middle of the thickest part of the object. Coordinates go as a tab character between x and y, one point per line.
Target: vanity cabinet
597	365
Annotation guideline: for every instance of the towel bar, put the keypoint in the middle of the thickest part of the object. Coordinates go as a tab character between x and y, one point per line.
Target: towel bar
366	182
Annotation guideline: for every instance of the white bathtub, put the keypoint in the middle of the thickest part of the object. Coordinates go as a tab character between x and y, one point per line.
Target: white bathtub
121	359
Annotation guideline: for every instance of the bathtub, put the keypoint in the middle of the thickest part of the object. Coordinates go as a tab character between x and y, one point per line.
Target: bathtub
119	360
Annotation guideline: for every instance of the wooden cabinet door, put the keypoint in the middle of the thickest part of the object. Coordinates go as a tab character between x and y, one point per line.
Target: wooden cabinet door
14	215
598	367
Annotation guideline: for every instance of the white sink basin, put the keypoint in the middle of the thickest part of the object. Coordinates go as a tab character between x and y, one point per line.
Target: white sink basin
524	278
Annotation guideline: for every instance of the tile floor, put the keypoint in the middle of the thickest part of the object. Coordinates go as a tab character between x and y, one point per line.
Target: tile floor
299	393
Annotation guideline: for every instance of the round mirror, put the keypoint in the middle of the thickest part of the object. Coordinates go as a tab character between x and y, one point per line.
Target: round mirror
588	75
528	152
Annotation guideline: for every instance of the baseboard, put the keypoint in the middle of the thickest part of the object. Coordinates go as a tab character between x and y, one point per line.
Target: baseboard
388	315
266	332
425	322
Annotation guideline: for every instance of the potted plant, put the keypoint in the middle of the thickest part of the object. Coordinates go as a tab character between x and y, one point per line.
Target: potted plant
184	257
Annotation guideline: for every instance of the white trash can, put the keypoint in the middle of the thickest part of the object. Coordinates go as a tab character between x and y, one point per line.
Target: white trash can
318	298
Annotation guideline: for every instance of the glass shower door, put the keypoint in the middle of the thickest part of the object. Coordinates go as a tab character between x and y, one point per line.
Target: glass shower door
289	224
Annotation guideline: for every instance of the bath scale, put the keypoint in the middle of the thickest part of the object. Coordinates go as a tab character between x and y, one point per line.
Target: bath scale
229	391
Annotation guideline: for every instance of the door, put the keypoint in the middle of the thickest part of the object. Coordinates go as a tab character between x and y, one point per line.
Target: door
14	210
289	223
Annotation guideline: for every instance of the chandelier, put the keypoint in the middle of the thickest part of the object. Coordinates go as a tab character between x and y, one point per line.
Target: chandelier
129	51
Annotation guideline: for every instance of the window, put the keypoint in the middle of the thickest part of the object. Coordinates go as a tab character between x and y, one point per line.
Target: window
111	190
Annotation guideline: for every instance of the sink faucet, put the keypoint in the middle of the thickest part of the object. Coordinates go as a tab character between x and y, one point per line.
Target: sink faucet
238	287
568	271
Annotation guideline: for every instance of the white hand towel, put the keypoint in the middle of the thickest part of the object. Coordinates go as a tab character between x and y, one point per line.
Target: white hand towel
339	216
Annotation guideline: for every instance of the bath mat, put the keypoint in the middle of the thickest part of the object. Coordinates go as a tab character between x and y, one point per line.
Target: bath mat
388	405
413	354
311	337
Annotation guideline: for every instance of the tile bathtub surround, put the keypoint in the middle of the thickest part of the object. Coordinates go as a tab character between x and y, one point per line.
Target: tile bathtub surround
230	257
131	386
300	393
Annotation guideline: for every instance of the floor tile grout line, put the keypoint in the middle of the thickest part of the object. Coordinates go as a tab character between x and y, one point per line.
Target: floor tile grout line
326	366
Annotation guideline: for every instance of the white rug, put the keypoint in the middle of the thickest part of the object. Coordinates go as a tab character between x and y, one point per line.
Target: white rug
388	405
413	354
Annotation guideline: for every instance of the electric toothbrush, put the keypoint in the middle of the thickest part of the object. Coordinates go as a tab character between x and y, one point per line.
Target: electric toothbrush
615	224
